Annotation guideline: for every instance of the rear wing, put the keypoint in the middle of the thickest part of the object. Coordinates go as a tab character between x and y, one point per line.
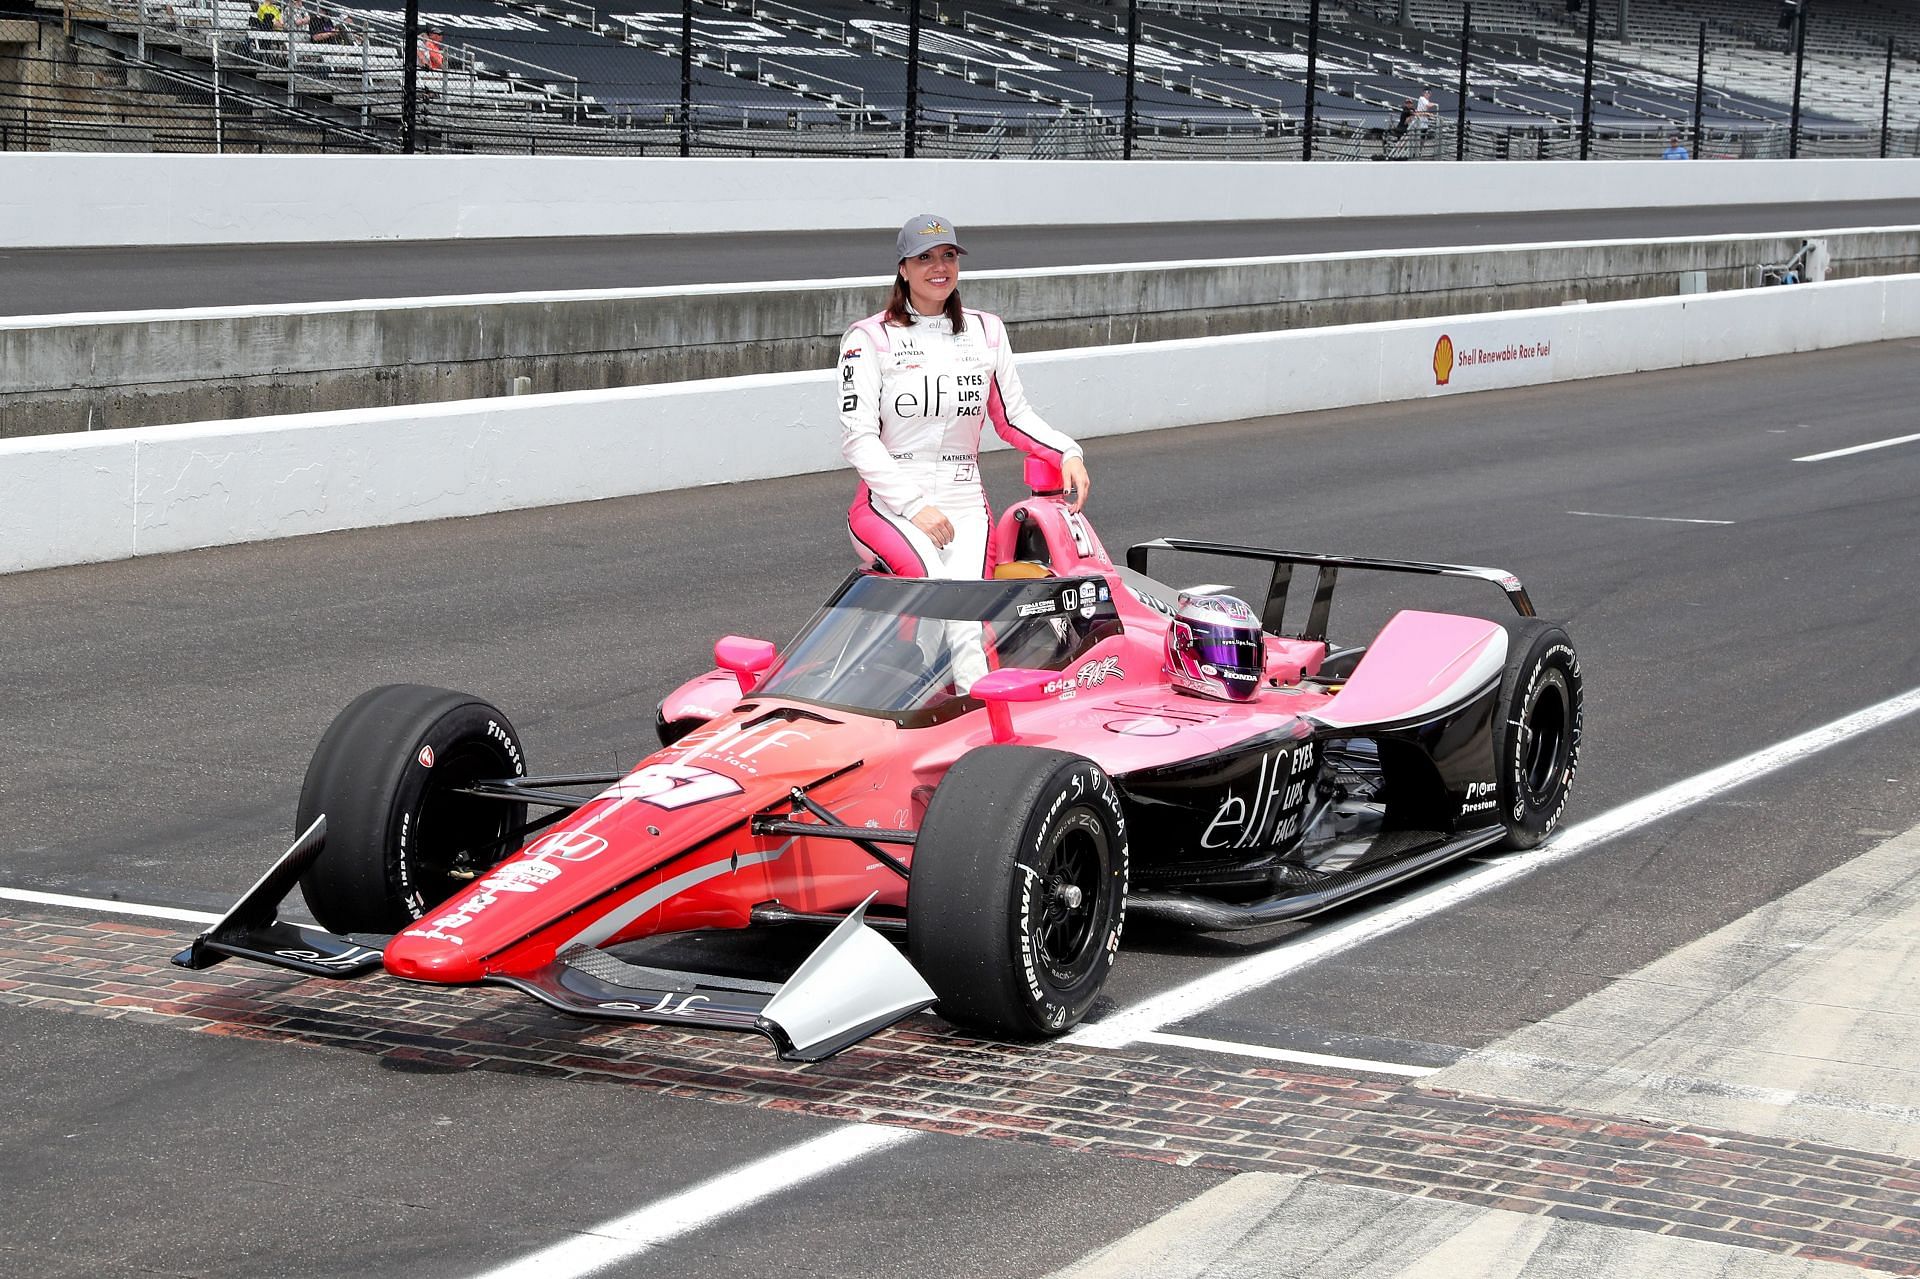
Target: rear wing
1273	611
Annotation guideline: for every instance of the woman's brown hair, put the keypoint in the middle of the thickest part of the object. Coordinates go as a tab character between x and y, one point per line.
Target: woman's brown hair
897	312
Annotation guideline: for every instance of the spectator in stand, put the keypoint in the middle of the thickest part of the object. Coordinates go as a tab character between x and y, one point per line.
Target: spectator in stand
321	29
1424	115
1676	149
267	16
432	56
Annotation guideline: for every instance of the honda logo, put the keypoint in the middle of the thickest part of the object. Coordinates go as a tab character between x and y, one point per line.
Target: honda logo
569	846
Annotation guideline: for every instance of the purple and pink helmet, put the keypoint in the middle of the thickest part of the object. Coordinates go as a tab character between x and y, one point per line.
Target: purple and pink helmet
1215	648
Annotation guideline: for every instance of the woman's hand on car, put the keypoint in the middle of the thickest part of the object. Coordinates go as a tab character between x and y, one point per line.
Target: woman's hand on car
1074	471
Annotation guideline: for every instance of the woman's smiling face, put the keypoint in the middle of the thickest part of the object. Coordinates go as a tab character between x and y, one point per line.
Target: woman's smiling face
932	277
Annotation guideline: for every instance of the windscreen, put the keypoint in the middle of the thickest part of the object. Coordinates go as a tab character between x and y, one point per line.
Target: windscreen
909	649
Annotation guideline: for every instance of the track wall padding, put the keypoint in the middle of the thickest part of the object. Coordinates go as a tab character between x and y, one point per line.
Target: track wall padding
110	494
72	200
94	372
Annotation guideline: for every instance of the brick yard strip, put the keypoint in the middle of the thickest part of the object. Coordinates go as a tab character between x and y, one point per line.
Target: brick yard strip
1792	1197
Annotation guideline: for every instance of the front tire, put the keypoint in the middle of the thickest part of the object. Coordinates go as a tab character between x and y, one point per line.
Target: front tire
399	842
1537	730
1019	890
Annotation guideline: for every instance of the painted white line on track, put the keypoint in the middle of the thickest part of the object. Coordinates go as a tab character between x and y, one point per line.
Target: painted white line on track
1129	1025
667	1219
106	905
1661	519
1858	448
1237	1049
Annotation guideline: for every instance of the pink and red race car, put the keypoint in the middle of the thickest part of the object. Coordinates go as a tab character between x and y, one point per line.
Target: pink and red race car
994	773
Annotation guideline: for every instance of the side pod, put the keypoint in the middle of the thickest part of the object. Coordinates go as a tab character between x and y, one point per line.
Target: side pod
252	928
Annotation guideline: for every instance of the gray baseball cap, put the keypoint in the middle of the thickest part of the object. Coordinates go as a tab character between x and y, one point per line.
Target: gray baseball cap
924	231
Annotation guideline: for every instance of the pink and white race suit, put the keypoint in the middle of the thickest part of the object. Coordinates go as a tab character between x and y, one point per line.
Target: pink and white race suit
913	402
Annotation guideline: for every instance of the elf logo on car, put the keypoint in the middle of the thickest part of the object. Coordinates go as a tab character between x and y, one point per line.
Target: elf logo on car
345	959
1272	815
674	786
666	1007
569	846
736	745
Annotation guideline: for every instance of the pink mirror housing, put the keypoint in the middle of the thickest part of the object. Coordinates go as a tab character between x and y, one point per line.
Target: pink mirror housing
748	659
1043	477
1000	689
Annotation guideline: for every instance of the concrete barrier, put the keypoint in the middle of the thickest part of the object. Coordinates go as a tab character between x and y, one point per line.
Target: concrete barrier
93	372
109	494
70	200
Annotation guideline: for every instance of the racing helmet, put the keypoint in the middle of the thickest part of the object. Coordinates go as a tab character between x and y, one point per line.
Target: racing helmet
1215	648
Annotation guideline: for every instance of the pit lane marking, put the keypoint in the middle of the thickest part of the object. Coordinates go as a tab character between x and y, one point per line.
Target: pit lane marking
1237	1049
1130	1025
1663	519
106	905
663	1220
1858	448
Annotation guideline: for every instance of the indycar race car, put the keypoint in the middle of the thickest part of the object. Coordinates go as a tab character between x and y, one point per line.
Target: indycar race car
992	774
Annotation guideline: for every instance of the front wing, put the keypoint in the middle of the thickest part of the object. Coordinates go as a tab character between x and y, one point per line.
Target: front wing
853	985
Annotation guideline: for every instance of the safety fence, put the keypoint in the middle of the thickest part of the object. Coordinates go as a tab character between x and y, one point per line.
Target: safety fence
864	78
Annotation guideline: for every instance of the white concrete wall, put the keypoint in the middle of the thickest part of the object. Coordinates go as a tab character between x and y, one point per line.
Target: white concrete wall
66	199
70	499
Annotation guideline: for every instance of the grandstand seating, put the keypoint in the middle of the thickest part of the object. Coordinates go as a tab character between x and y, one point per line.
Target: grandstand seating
1226	67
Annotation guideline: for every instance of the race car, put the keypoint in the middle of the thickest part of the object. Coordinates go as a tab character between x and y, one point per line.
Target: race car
971	783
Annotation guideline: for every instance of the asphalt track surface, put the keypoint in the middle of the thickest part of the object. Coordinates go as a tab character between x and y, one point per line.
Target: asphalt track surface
57	281
160	713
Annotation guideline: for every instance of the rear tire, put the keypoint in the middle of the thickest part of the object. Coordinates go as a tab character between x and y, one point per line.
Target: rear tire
1019	890
1537	730
398	841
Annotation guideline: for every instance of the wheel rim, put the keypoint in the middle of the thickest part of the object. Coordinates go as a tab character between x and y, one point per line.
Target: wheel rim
1071	901
1544	745
458	837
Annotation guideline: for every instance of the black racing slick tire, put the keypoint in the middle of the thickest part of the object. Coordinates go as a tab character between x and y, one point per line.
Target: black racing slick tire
1019	890
399	841
1536	733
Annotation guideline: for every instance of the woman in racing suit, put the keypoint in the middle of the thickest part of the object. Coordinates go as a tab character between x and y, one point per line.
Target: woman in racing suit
918	382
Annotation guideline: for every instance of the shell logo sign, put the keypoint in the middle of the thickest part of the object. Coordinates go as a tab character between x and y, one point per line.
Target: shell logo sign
1442	360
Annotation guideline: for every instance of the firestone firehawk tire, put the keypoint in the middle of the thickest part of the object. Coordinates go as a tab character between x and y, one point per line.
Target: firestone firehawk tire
398	841
1019	890
1536	731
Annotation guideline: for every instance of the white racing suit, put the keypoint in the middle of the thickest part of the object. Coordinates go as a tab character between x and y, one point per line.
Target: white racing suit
913	402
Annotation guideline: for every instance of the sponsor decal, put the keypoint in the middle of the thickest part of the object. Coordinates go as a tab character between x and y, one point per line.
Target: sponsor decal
934	227
1038	608
1090	675
1442	360
569	846
425	756
674	786
846	375
848	403
1086	599
1152	602
511	747
344	960
737	746
851	353
1480	798
1271	813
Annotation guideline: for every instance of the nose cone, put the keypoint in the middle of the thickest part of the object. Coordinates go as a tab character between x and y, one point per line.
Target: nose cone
432	951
